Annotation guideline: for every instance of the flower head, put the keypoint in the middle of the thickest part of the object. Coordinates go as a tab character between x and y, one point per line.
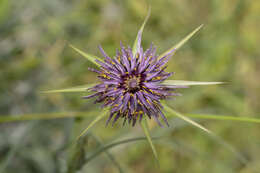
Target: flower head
131	84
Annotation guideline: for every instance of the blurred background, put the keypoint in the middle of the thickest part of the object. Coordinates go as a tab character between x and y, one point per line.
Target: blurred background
35	56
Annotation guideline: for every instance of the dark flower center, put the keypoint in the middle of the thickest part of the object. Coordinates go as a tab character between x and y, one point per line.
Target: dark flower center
132	83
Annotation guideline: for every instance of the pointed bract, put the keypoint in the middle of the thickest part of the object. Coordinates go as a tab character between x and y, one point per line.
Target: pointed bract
181	43
138	40
173	112
149	139
89	57
187	83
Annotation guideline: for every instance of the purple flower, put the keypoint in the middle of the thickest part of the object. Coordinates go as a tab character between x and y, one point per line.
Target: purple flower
131	84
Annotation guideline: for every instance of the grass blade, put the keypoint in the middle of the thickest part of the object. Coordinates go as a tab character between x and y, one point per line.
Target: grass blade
82	88
43	116
97	119
138	39
109	146
145	128
109	155
181	43
175	113
77	158
89	57
183	82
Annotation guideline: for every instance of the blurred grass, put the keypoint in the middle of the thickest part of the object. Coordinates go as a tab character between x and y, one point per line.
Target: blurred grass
34	56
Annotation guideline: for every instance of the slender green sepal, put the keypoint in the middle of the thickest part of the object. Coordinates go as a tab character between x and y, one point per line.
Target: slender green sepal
175	113
187	83
82	88
91	58
181	43
138	40
145	128
97	119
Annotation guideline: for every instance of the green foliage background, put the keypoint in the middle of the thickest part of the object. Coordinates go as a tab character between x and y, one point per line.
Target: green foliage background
34	56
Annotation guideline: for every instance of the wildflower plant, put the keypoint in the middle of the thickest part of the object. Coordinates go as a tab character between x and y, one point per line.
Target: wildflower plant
134	83
132	90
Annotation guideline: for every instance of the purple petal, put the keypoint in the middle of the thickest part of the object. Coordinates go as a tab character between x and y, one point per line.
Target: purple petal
140	117
157	120
104	54
125	101
116	117
90	96
94	70
109	118
164	118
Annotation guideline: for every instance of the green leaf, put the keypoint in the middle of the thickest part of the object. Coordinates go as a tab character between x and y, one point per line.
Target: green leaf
181	43
97	119
108	146
137	42
183	82
89	57
175	113
82	88
148	136
222	117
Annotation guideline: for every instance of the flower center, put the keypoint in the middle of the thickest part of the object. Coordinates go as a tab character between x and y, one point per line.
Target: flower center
132	83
